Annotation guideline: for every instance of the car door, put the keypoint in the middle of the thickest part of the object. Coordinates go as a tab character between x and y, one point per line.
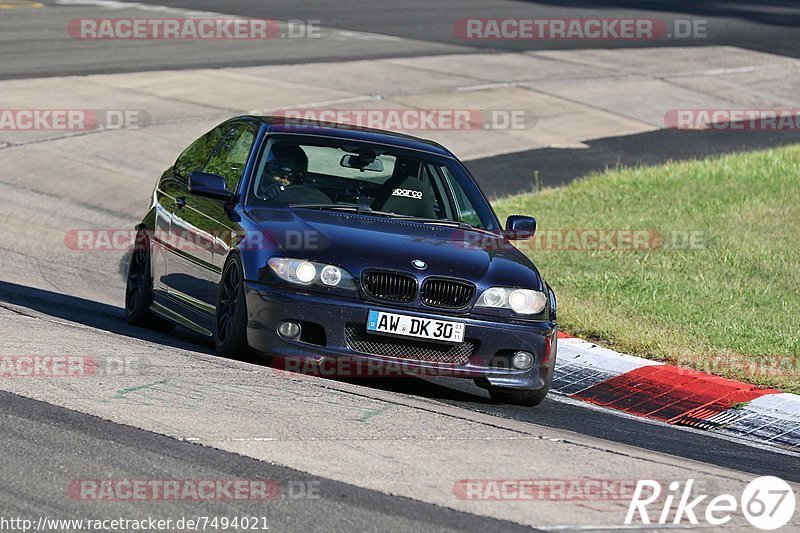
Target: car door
176	272
229	161
203	230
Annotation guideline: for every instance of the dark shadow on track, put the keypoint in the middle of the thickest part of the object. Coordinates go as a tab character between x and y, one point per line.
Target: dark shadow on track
97	315
424	388
112	319
515	173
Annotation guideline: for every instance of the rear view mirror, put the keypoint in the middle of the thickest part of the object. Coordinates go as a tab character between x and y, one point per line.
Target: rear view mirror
519	227
360	163
209	185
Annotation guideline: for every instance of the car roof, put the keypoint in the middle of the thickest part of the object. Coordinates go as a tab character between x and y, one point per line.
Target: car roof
278	124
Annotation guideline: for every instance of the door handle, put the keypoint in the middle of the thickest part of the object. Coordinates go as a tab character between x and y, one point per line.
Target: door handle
180	202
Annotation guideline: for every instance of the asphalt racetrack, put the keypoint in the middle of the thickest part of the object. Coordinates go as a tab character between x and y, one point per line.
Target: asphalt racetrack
372	455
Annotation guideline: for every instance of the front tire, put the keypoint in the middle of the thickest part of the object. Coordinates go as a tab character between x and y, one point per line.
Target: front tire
528	398
522	397
230	321
139	289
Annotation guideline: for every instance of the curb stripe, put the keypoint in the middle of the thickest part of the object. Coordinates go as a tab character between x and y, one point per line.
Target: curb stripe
675	395
671	394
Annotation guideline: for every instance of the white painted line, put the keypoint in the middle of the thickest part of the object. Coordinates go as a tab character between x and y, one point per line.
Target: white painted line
117	5
346	35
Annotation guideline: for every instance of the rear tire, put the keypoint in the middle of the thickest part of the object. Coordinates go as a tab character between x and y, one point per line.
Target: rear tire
139	289
230	320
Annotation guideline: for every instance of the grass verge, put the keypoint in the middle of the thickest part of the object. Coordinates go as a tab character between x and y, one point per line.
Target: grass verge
716	285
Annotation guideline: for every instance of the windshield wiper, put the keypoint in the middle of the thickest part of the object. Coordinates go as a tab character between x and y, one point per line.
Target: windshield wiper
344	207
443	222
356	208
460	224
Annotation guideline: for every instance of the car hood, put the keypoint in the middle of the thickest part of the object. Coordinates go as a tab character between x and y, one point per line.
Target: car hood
356	242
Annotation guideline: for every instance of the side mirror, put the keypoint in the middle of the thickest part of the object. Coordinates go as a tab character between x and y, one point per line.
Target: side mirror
519	227
209	185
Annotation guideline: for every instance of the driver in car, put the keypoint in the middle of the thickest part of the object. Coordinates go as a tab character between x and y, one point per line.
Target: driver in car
287	166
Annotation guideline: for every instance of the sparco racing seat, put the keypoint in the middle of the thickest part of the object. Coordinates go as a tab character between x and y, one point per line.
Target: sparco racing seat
405	194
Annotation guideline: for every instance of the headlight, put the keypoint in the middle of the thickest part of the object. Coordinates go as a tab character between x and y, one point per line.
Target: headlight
305	272
494	297
521	301
331	276
302	272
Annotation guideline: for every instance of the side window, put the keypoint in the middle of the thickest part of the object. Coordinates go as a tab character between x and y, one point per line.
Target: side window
441	206
466	211
195	157
231	156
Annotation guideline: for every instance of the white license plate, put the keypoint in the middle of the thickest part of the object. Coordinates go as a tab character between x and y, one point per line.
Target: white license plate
412	326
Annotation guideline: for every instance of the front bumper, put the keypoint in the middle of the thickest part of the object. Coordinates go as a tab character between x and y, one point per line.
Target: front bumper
269	305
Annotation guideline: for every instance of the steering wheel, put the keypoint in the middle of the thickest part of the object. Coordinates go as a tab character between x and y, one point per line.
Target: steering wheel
302	194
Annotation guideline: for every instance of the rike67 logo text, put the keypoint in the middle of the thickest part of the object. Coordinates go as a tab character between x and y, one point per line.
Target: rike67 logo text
767	503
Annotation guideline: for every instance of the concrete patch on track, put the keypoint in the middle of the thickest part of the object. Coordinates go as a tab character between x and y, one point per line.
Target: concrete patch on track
36	435
569	101
345	432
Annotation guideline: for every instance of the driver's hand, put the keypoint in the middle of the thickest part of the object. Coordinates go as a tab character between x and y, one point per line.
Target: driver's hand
272	192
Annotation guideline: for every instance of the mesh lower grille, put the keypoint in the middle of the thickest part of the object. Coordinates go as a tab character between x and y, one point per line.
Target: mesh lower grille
447	293
390	286
410	349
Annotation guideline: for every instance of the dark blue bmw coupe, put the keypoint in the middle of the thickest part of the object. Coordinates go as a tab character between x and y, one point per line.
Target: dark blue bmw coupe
322	242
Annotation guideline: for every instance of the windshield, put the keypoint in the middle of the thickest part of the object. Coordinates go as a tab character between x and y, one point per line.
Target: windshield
326	173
